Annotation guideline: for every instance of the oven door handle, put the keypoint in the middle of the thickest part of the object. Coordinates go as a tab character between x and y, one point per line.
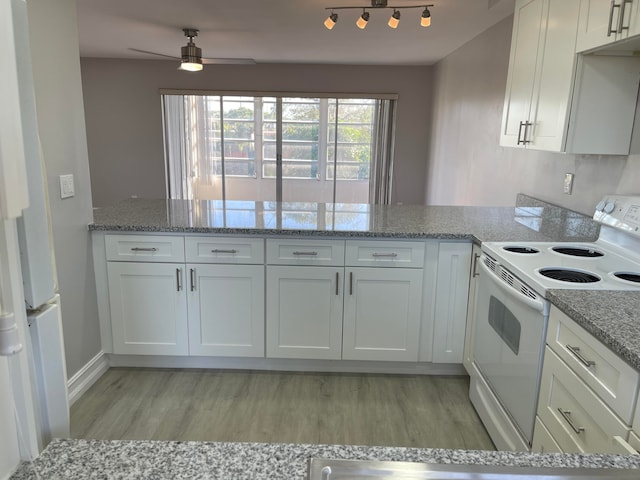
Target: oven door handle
534	303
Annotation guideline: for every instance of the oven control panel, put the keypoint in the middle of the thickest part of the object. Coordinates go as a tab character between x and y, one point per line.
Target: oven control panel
619	211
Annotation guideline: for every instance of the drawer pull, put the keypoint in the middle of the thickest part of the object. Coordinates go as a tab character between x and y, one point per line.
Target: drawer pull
224	251
141	249
309	254
178	279
576	353
566	414
392	255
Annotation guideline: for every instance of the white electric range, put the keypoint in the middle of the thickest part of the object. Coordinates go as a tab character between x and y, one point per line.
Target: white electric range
512	311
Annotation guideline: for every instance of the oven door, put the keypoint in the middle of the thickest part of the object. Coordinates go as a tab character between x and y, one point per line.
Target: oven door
509	342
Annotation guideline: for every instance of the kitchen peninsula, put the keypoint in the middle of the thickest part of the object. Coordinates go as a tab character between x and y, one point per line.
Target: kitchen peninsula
530	220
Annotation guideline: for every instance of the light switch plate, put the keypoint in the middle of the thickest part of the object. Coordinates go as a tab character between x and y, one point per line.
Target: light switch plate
67	188
568	183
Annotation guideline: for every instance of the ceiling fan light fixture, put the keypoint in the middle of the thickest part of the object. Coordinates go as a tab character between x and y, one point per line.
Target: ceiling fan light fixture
425	21
363	20
394	21
191	55
191	66
331	20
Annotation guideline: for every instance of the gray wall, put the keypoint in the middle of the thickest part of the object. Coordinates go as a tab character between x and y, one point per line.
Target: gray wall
56	69
124	125
468	167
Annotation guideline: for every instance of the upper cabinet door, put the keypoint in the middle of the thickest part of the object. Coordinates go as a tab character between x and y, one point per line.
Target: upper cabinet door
551	101
603	22
527	30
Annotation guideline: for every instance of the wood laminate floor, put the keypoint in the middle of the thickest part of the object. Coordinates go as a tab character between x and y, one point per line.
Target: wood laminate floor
206	405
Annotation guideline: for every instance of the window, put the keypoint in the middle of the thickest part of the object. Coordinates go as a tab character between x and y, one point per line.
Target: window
277	148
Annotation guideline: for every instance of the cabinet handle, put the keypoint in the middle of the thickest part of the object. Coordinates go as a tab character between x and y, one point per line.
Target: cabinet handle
192	278
178	279
392	255
475	265
566	414
141	249
623	7
526	133
310	254
576	353
610	29
350	283
337	282
224	251
520	141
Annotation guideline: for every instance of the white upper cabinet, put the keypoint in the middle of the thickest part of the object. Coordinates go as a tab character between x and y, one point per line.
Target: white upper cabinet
540	79
557	100
603	22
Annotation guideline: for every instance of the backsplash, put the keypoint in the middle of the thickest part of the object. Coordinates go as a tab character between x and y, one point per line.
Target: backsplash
554	221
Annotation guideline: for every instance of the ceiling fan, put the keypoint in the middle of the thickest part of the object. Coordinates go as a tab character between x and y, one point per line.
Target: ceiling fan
191	56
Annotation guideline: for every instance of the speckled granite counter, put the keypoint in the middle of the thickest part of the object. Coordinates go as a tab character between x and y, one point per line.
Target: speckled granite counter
530	220
82	459
611	316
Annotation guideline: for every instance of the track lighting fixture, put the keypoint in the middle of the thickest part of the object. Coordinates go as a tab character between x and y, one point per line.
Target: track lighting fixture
331	20
425	21
394	21
363	19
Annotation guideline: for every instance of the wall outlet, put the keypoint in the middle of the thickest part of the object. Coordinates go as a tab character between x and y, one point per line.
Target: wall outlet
568	183
67	188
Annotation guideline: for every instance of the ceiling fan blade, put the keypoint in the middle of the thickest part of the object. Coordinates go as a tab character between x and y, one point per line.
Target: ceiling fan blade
228	61
153	53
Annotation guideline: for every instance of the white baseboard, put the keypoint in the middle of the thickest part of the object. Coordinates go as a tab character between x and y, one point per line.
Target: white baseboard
87	376
292	365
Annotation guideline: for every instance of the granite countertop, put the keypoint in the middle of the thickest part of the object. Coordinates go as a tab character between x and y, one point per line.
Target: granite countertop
122	459
529	220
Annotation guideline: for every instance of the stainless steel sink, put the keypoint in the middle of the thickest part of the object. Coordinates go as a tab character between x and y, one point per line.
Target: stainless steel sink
324	469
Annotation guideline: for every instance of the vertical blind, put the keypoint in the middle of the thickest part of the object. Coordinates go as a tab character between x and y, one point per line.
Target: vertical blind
269	147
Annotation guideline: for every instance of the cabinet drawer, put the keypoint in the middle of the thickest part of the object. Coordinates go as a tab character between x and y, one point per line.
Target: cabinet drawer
305	252
543	442
362	253
574	415
238	250
144	248
608	375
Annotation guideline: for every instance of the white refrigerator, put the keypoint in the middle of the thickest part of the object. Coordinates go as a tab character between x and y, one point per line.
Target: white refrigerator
30	319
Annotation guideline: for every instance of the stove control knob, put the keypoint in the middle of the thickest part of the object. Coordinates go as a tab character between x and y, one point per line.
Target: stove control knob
609	207
600	205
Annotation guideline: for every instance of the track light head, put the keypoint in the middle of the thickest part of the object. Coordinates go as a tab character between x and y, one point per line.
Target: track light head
395	19
425	21
331	20
363	20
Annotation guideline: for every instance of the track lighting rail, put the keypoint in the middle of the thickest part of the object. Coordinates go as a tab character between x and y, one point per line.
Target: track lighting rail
363	19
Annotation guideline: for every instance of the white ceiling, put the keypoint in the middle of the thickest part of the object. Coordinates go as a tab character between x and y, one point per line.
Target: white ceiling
283	31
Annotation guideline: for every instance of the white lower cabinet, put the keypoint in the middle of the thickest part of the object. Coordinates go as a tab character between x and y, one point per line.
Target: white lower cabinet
226	310
148	306
382	312
543	441
452	295
587	393
467	359
304	312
